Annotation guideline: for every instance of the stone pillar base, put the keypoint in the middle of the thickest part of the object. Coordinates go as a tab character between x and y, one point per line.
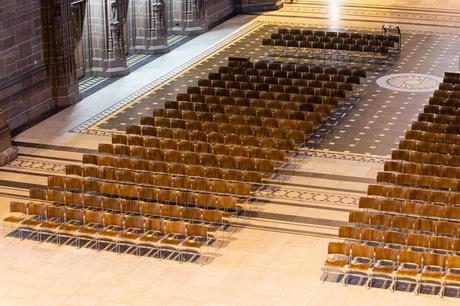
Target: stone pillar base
8	155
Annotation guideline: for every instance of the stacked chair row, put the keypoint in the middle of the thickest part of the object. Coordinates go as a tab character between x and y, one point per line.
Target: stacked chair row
411	217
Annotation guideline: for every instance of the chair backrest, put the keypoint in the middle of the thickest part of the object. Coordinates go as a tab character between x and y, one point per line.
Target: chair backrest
438	260
173	211
19	207
339	248
408	256
197	230
150	208
191	213
55	212
175	228
94	217
74	214
113	219
37	209
364	251
214	216
134	222
453	262
156	225
388	254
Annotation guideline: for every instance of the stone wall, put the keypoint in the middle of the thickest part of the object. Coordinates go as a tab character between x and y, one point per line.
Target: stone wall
25	91
218	10
248	6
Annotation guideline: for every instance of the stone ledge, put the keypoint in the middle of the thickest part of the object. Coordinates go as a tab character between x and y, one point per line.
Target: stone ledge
8	155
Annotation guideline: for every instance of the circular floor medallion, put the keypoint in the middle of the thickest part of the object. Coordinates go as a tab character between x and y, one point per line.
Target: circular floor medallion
410	82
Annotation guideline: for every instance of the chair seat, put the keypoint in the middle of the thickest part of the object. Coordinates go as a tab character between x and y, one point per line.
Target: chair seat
359	266
68	228
383	269
452	278
87	230
432	275
150	238
109	233
13	219
407	272
130	236
31	222
49	225
172	241
193	244
335	263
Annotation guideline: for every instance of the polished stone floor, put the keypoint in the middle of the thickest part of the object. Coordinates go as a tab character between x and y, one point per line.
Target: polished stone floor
276	256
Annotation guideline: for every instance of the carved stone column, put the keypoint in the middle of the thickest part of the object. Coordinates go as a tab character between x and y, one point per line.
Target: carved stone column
7	151
148	26
190	16
58	50
107	37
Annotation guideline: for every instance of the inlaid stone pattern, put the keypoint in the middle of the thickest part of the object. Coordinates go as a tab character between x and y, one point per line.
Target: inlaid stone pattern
410	82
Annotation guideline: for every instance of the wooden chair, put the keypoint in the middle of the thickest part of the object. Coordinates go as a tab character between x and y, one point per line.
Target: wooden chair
386	262
452	275
362	257
338	258
432	274
409	267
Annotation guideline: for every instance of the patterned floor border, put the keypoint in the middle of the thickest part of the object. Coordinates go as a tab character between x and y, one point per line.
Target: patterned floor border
305	153
39	165
277	192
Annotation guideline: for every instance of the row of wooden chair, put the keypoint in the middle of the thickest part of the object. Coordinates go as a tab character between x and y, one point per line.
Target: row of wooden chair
406	193
451	77
438	137
289	110
164	167
102	226
221	118
439	118
275	84
242	74
442	101
245	64
399	239
298	102
422	169
359	46
133	192
429	147
450	86
83	202
426	157
411	224
405	208
198	146
144	178
269	95
220	129
434	127
226	138
444	93
441	110
394	265
418	181
335	39
328	33
191	158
